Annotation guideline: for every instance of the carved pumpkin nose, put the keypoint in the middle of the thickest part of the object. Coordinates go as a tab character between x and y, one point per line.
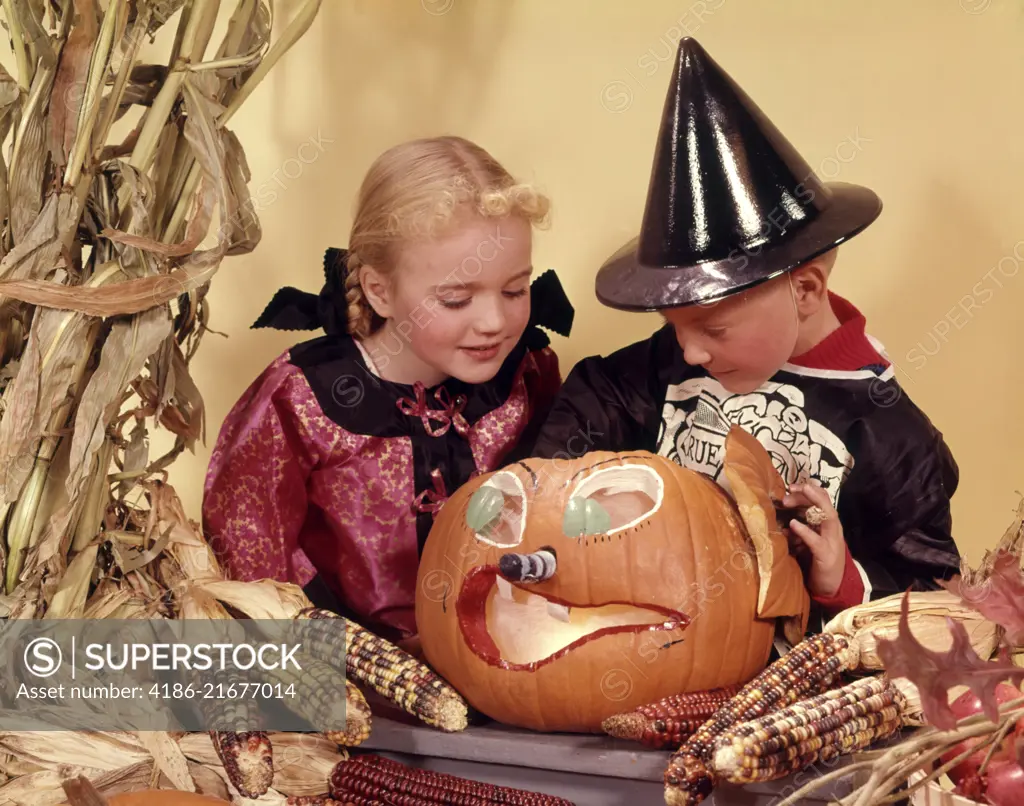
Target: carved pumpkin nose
536	567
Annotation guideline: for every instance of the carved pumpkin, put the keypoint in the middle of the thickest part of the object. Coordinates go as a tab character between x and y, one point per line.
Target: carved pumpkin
81	791
156	797
164	797
756	486
554	593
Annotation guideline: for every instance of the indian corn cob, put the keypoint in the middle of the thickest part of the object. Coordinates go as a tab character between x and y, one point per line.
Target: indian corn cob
248	759
317	699
390	671
247	754
816	729
358	719
353	800
816	662
381	780
669	721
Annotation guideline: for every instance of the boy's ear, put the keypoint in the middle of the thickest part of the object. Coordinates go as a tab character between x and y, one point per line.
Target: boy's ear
810	281
377	290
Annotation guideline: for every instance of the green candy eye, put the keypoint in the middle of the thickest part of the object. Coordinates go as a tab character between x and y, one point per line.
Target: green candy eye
585	517
484	508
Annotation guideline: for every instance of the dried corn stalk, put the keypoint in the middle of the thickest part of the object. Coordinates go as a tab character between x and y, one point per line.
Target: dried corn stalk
107	247
108	242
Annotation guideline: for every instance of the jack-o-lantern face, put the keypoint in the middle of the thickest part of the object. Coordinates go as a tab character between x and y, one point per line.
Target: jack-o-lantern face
554	593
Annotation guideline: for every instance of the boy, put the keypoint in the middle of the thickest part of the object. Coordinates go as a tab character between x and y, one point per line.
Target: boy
739	238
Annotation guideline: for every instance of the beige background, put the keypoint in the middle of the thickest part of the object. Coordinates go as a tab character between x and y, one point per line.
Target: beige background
920	100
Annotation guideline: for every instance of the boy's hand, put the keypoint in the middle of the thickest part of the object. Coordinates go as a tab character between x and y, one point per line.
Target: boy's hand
827	550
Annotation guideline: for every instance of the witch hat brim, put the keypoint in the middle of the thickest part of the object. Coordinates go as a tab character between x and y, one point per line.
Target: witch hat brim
730	204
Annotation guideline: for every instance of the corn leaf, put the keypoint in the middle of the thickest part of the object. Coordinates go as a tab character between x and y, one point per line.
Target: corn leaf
39	41
189	402
199	225
27	171
248	33
54	352
22	402
163	10
125	352
245	231
69	84
9	95
136	457
162	373
69	600
128	297
38	248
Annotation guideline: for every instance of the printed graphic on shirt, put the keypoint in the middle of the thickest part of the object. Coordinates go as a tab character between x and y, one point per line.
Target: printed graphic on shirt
698	413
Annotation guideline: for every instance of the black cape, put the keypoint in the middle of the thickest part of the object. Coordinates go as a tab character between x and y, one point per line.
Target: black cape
885	465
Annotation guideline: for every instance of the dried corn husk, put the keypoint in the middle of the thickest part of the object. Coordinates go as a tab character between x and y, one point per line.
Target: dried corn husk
263	599
118	762
105	255
168	758
69	601
125	232
100	750
928	612
41	788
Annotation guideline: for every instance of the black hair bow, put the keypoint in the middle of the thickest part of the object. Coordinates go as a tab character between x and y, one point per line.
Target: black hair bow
293	309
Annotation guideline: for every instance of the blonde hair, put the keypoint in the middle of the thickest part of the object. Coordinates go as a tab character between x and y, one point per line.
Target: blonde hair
417	190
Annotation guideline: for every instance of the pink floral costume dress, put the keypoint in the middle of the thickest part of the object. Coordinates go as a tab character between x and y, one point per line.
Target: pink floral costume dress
328	476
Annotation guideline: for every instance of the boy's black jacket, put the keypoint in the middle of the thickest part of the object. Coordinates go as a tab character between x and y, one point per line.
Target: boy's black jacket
854	429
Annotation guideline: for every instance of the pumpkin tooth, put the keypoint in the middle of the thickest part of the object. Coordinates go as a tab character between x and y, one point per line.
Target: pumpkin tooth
504	588
812	665
391	672
560	612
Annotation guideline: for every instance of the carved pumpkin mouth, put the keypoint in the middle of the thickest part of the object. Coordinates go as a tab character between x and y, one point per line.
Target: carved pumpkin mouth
519	629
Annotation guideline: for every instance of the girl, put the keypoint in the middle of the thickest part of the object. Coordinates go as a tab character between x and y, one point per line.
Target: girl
329	469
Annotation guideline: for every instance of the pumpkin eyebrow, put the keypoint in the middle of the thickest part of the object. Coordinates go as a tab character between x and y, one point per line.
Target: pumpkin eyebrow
533	476
598	464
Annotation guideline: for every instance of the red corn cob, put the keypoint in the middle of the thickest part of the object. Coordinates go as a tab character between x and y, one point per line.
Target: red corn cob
380	780
669	721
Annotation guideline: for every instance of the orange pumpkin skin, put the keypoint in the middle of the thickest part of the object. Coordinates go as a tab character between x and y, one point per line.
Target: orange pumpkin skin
690	555
163	797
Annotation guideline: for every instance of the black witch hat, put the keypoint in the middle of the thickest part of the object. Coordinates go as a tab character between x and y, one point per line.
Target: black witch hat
730	202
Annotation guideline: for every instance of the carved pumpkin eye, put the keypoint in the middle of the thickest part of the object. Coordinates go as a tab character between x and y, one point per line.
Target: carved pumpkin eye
497	511
612	499
584	516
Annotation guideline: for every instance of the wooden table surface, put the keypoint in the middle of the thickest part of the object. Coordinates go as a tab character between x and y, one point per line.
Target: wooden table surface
589	770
